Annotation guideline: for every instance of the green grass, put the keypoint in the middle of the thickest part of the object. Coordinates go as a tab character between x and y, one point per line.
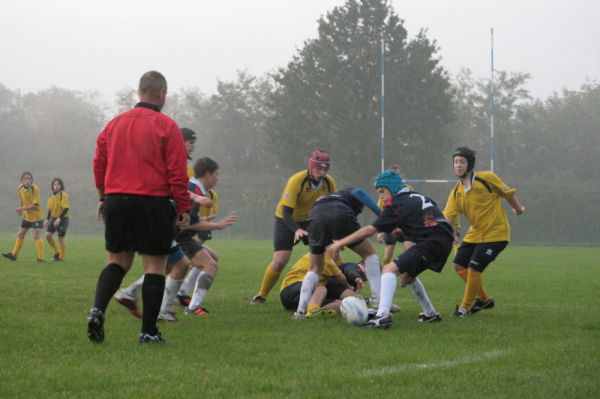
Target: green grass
541	340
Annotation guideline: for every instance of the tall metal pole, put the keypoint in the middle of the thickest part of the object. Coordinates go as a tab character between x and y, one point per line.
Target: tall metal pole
492	144
382	102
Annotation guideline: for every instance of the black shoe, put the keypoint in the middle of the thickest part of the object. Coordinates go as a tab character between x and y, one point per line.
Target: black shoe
423	318
95	322
9	255
480	305
257	299
379	322
460	312
371	313
56	258
146	338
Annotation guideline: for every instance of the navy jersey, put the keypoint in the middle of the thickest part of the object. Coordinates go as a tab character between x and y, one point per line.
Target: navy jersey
418	216
345	197
194	214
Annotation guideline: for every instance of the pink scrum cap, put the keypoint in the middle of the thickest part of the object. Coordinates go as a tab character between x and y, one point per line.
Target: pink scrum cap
319	159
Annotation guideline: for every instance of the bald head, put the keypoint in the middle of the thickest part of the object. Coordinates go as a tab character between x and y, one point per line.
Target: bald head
153	88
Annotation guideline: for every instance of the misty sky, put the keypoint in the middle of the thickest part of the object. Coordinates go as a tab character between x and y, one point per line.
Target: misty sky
107	45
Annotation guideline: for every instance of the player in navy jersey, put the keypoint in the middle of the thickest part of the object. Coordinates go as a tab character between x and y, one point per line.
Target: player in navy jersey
334	216
421	219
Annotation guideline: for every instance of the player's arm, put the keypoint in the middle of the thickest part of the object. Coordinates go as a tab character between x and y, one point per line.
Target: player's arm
357	236
227	221
362	196
505	191
515	205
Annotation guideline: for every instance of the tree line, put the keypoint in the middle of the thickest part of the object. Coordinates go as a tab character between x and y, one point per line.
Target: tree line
260	129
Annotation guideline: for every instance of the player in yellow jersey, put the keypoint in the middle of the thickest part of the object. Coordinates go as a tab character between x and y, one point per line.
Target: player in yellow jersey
29	208
57	219
189	139
335	284
291	215
477	196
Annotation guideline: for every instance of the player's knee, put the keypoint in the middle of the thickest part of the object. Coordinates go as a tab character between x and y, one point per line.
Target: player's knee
458	268
406	279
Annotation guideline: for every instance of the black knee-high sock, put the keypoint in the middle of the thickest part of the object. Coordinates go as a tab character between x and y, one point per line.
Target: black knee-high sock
152	295
109	282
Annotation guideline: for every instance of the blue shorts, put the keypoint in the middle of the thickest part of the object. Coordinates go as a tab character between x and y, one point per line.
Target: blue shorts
175	256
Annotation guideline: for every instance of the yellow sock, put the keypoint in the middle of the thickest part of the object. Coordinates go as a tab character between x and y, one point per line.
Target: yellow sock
482	294
474	284
53	245
63	250
269	279
312	307
18	245
462	273
39	245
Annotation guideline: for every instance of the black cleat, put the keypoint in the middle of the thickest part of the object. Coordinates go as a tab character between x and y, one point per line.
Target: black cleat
257	299
460	312
146	338
379	322
9	255
95	322
480	305
423	318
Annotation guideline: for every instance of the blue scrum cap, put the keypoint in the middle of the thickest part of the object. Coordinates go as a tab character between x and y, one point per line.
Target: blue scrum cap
391	180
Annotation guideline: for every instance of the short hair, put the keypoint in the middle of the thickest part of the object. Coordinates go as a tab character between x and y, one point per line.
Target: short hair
204	165
26	173
59	180
152	82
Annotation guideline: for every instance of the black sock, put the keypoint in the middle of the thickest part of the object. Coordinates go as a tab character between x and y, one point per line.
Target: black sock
109	282
152	295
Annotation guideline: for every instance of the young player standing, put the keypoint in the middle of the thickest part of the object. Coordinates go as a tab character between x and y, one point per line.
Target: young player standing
291	216
477	196
29	208
57	219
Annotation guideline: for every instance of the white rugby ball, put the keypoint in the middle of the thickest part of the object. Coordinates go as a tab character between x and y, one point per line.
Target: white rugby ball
354	310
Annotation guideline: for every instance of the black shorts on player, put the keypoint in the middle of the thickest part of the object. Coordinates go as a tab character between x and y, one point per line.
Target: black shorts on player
430	254
136	223
61	229
478	256
290	295
38	224
189	246
330	221
283	237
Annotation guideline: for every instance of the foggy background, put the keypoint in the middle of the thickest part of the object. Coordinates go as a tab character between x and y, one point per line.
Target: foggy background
264	83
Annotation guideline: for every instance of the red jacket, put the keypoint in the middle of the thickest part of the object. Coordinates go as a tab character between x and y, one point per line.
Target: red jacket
142	152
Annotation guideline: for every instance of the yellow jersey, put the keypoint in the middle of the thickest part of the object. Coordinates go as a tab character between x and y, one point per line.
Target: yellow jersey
205	211
300	194
30	196
482	208
190	168
57	203
302	266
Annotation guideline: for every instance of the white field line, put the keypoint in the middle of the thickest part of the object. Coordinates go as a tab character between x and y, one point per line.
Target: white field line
401	368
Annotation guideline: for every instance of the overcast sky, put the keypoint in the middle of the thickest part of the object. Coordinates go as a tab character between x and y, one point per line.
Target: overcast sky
106	45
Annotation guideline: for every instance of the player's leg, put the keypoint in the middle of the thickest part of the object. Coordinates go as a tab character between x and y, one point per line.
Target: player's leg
62	232
18	242
39	242
310	281
50	229
205	279
372	267
152	295
178	263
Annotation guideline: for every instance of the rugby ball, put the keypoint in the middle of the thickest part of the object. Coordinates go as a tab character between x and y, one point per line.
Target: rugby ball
354	310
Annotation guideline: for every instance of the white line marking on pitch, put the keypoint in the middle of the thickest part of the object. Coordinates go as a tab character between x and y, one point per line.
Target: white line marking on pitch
494	354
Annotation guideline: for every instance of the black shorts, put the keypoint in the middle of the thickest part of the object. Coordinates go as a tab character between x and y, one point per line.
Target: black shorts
189	246
139	223
430	254
62	226
283	238
330	221
478	256
38	224
290	295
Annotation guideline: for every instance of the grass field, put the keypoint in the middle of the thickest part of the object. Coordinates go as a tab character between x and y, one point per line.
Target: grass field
541	340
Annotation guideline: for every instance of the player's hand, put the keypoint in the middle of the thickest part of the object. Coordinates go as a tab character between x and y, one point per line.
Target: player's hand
519	211
227	221
57	222
183	221
299	234
19	210
45	224
359	284
380	237
333	250
457	236
202	200
100	211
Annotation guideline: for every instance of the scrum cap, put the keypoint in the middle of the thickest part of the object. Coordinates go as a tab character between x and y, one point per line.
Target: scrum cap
468	154
319	159
389	179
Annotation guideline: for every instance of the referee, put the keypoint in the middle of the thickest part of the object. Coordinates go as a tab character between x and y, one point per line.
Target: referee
141	175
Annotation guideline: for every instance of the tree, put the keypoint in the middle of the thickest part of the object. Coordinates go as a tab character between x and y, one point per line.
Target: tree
328	96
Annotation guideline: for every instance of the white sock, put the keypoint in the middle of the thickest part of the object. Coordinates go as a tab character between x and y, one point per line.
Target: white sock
190	281
171	287
134	288
388	288
373	271
309	283
202	286
419	292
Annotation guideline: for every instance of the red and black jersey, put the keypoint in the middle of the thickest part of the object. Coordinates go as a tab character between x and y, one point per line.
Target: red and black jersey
418	216
142	152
